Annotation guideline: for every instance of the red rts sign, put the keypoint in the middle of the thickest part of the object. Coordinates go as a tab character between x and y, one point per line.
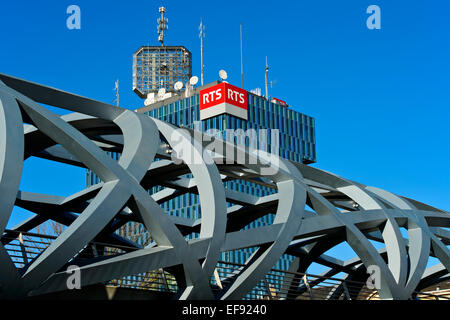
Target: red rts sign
280	102
223	98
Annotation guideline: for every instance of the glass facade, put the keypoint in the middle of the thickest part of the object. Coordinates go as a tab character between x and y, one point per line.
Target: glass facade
296	143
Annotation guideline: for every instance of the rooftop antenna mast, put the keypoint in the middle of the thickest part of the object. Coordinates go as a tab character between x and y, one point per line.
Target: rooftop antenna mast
162	25
201	35
267	82
242	64
116	89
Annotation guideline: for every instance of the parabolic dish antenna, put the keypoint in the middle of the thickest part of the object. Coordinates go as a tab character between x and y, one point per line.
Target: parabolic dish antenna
223	75
193	81
178	85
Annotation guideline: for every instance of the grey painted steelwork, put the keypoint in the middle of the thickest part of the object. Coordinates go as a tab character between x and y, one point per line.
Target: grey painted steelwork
342	210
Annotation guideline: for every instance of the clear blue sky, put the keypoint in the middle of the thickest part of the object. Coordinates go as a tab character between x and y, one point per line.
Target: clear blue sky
380	97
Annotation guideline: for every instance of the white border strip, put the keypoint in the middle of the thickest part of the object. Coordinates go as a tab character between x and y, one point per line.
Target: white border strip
223	108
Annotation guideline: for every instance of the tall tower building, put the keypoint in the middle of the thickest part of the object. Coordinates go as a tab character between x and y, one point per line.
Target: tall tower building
294	140
222	107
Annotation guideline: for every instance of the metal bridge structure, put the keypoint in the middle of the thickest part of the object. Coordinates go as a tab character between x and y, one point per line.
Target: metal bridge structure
314	211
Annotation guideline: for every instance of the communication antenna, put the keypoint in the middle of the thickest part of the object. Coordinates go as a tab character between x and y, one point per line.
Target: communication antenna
272	83
190	86
267	84
193	80
242	63
178	85
256	91
223	75
116	89
162	25
201	35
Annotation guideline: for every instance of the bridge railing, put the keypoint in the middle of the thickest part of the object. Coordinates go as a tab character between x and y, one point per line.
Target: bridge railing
24	247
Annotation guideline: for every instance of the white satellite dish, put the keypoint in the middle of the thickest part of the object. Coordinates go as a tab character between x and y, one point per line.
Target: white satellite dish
161	92
223	75
178	85
193	81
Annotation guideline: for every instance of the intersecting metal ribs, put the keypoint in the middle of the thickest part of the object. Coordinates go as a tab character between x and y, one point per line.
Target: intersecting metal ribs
314	211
